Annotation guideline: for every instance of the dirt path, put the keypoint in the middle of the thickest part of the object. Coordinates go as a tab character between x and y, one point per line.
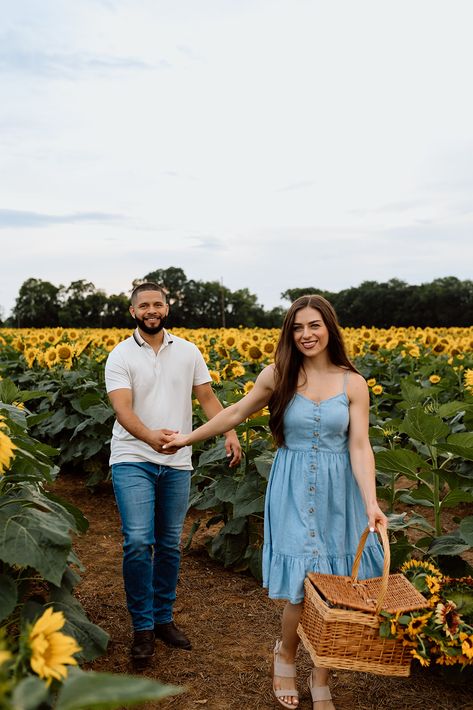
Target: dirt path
232	625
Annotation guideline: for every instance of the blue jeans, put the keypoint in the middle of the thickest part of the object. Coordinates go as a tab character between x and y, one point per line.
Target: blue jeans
152	500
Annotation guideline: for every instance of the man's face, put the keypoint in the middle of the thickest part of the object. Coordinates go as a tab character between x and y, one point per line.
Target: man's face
150	311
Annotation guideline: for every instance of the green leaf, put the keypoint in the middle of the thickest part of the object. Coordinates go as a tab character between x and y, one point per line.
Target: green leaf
466	529
230	543
29	694
397	521
91	638
449	409
448	545
217	453
426	428
8	596
453	498
226	488
264	463
105	691
33	538
81	522
248	498
412	394
422	495
401	549
9	392
385	630
460	444
460	451
400	461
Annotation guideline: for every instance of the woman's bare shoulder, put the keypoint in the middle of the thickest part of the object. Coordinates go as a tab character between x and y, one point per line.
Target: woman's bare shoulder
356	384
267	376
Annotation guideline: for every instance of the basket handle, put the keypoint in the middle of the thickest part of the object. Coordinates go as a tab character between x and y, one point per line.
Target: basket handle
383	533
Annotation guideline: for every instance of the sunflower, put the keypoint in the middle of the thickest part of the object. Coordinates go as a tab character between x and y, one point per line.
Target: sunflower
248	386
371	382
377	389
467	644
7	448
254	353
434	379
468	379
447	617
64	351
232	370
417	566
418	623
215	375
229	341
422	659
433	583
51	650
268	347
51	357
4	656
30	356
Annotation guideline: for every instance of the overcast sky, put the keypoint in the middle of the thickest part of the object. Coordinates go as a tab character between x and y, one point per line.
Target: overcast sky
269	143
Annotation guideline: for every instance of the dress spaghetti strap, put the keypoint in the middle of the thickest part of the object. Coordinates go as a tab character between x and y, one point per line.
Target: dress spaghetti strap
345	378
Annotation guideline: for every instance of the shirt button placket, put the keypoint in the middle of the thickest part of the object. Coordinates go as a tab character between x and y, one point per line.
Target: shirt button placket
313	469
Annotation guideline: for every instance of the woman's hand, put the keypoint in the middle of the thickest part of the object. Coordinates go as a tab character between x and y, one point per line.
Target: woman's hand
376	517
177	441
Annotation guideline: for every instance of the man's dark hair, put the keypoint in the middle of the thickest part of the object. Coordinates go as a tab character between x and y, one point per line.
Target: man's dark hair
147	286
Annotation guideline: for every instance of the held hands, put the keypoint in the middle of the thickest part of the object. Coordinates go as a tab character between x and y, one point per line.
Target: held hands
159	440
232	445
175	442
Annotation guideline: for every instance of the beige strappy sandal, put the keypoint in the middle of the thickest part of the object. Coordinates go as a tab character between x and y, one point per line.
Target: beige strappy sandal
318	692
284	670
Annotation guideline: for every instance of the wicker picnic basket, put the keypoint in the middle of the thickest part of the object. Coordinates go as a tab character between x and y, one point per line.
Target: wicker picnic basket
340	621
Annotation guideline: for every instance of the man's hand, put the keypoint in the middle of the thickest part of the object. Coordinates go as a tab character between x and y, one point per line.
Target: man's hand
233	448
159	437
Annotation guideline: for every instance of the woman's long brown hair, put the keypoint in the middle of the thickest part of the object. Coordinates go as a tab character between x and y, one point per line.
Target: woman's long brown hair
289	360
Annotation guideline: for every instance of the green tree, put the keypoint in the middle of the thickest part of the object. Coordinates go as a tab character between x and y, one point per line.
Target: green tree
82	305
37	304
116	313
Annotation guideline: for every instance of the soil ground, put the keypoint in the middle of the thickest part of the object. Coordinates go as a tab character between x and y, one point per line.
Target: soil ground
232	625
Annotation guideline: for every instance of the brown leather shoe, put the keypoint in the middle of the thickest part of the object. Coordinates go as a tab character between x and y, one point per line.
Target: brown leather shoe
142	649
172	636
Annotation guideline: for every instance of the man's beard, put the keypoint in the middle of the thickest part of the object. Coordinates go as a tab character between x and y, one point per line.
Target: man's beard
147	329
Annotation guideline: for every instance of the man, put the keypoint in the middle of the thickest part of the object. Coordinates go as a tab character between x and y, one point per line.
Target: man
151	378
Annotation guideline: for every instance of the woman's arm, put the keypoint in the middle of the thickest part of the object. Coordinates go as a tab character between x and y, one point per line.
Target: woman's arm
257	398
361	453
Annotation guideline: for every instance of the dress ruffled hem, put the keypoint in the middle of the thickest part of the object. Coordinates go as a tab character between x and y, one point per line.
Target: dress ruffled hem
283	575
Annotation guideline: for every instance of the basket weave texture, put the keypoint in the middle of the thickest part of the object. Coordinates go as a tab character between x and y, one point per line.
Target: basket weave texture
348	637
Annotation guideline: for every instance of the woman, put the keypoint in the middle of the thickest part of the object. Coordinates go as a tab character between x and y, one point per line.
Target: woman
321	491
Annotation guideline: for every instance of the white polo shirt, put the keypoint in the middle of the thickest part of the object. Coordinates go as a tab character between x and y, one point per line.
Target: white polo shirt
162	393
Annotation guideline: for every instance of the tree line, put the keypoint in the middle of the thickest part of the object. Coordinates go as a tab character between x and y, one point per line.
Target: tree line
445	302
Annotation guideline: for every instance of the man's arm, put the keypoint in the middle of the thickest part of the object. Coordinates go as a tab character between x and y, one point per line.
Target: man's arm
211	406
122	403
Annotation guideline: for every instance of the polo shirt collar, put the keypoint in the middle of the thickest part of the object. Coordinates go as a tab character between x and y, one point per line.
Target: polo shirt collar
139	340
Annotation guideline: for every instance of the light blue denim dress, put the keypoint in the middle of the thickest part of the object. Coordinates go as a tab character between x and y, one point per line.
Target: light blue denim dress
314	513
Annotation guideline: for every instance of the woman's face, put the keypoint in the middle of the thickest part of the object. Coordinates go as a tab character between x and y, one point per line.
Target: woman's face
310	332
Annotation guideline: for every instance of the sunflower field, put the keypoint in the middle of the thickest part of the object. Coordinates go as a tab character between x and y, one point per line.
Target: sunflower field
421	389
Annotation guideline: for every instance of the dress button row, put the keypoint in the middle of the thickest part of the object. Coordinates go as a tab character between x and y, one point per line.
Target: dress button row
311	489
312	533
314	446
311	510
316	433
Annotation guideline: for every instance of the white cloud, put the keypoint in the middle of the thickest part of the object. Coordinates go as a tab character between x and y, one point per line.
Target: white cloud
270	143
